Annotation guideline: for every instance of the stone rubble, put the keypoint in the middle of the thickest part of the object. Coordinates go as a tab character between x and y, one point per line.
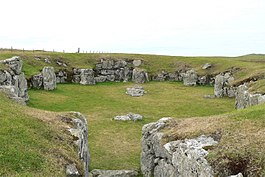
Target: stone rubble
135	91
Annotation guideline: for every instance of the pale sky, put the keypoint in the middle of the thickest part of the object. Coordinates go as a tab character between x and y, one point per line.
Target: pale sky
168	27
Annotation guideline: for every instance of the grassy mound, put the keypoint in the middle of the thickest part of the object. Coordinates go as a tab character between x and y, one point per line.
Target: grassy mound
30	143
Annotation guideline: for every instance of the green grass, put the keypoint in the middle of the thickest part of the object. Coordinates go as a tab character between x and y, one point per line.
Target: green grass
27	143
116	145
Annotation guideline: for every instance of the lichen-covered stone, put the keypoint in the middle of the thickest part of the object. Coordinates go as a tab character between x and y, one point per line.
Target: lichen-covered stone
49	78
190	78
87	77
113	173
135	91
176	158
139	76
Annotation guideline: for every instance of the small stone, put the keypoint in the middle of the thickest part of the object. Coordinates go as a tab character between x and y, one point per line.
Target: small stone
130	116
206	66
137	63
71	171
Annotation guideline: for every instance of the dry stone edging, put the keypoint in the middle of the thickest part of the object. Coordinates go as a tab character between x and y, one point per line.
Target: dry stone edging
79	129
13	81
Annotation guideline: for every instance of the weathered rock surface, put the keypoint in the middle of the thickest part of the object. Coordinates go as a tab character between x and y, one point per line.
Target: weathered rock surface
245	99
49	78
139	76
113	173
130	116
175	158
13	81
61	77
80	131
206	66
190	78
223	85
135	91
87	77
71	171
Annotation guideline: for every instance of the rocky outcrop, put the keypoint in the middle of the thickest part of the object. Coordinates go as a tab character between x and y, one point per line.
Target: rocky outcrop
135	91
176	158
130	116
79	130
190	78
13	81
113	173
245	99
223	85
139	76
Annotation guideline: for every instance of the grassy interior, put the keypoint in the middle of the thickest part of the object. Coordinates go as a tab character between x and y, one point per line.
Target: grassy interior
119	142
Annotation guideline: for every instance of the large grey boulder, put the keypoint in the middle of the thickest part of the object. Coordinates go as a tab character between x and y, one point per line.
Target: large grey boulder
190	78
139	76
135	91
49	78
176	158
87	77
223	85
113	173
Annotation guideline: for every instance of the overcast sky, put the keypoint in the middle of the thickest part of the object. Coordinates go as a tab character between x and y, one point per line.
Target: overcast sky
169	27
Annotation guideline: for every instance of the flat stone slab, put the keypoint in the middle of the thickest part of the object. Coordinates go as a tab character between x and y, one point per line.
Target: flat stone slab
128	117
135	91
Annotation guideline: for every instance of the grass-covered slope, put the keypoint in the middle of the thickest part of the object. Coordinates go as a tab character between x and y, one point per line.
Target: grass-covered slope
241	136
30	143
114	144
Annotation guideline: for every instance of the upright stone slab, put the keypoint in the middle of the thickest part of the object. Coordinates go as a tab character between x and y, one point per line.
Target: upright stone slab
139	76
223	85
190	78
87	77
49	78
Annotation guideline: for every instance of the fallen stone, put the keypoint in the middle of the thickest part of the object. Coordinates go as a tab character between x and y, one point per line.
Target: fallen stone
206	66
130	116
135	91
113	173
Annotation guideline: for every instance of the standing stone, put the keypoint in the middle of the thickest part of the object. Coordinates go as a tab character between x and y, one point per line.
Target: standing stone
190	78
223	85
87	77
21	86
49	78
139	76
